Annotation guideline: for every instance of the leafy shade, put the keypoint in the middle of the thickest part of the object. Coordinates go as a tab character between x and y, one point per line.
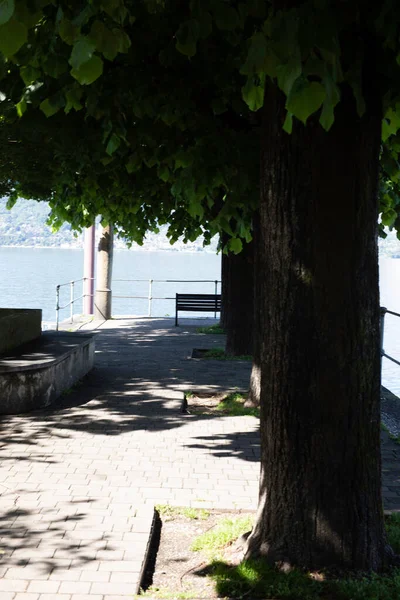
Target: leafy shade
167	91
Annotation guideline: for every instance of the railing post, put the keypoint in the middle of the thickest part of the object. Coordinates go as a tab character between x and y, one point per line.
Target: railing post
150	295
216	292
383	313
71	312
57	306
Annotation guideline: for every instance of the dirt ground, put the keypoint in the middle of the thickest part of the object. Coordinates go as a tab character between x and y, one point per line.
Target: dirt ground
176	571
203	403
206	404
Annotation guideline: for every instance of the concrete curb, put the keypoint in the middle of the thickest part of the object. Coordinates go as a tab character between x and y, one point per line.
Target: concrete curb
149	519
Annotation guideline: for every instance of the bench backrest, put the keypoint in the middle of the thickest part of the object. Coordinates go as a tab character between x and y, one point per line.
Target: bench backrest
203	302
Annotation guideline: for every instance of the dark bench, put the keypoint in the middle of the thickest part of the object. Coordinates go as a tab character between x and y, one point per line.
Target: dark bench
198	303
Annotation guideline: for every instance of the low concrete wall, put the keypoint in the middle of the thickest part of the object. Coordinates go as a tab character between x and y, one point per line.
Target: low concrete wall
19	326
36	377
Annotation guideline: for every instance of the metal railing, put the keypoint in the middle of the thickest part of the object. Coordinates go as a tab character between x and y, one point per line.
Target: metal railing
150	282
149	297
72	298
385	311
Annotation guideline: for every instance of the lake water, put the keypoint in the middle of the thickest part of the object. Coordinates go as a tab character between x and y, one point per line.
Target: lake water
29	277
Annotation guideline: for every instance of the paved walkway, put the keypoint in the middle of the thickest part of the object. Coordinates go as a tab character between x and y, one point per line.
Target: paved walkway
78	482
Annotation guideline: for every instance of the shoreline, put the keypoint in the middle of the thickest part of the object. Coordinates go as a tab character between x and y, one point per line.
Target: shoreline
172	251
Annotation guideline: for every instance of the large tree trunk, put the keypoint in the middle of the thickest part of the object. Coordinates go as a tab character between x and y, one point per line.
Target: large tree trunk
237	300
253	398
320	488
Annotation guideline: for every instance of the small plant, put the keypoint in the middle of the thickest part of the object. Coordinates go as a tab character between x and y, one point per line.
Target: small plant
392	523
233	406
220	354
228	530
169	512
216	329
256	579
395	438
164	594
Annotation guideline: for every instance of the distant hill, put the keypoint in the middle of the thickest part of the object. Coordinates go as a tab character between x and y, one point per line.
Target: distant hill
25	225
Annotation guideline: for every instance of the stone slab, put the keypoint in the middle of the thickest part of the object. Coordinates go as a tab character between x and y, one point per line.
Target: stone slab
43	370
18	326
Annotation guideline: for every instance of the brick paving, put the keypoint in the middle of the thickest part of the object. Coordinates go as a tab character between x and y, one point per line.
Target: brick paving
78	482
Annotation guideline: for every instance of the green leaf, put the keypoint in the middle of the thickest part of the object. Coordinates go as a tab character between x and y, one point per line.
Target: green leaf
288	73
21	107
48	108
390	124
187	37
332	98
55	66
235	245
389	217
104	40
288	124
386	130
13	35
256	55
226	17
6	10
183	160
305	99
357	91
124	41
133	164
27	13
327	117
113	144
73	97
82	52
84	15
253	94
89	71
164	173
69	33
29	74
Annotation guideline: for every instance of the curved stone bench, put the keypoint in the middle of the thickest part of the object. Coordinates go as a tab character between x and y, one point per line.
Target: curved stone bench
19	326
34	375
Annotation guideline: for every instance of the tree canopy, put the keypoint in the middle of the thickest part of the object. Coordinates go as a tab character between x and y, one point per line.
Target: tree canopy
153	104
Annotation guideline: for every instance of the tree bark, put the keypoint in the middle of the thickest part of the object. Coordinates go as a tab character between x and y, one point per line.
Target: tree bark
253	398
237	300
318	313
105	253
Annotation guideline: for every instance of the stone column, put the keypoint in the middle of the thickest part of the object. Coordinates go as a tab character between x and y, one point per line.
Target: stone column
102	304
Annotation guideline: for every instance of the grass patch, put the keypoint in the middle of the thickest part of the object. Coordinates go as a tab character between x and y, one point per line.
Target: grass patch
233	405
165	594
256	579
395	438
392	523
172	512
216	329
219	405
220	354
228	530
